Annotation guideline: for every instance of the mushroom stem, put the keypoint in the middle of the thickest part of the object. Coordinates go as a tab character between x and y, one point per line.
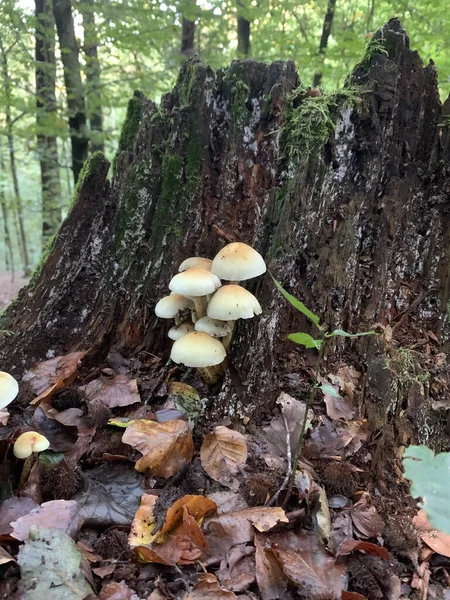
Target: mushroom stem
226	341
200	306
209	374
178	320
27	466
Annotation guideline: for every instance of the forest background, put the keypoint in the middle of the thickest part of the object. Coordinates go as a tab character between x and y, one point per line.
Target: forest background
65	85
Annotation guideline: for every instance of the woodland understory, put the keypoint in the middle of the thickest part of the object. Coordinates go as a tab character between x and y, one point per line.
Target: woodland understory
166	488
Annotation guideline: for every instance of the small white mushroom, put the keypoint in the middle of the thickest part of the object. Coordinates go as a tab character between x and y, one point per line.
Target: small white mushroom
180	330
199	350
196	283
238	262
9	388
213	327
233	302
171	306
195	261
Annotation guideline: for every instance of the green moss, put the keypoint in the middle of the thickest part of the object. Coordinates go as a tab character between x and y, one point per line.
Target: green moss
311	120
130	126
44	255
406	364
90	167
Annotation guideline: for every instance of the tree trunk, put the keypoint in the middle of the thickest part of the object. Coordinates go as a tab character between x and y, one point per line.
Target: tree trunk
326	31
12	158
46	116
62	11
243	33
354	221
93	96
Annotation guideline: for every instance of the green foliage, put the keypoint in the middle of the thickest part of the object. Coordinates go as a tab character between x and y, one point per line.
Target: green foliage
298	304
430	480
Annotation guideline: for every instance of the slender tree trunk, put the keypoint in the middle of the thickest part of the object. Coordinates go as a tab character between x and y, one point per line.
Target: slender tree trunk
93	96
62	11
46	115
243	32
12	158
354	222
188	38
326	31
9	254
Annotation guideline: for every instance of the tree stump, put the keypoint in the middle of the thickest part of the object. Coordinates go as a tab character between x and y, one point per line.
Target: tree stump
346	196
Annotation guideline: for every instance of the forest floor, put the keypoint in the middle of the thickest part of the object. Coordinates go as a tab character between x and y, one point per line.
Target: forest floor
9	286
161	511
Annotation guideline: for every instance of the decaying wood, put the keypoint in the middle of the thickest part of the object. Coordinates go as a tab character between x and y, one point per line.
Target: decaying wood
359	230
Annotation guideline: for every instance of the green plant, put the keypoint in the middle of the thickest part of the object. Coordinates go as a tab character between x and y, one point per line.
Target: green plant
429	474
318	343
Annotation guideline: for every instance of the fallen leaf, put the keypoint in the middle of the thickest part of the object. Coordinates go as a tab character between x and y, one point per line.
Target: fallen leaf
237	570
323	517
272	582
5	557
197	506
338	408
48	377
61	438
166	447
61	515
366	518
111	495
352	596
350	546
117	591
275	434
208	588
143	525
227	501
336	439
223	454
347	379
185	398
62	578
435	539
306	563
116	391
11	510
105	571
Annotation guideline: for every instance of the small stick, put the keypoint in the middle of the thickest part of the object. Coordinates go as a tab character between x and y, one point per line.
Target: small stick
220	232
289	465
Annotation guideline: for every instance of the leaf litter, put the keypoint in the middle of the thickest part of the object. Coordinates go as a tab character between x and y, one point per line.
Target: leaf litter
136	508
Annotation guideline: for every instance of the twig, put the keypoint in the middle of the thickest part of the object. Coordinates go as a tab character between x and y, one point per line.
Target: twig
414	304
226	236
289	465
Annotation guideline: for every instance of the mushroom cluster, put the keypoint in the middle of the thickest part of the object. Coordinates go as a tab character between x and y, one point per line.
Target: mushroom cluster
205	311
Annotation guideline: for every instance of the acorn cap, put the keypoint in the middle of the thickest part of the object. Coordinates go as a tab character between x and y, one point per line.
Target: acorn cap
195	261
238	262
30	442
233	302
170	306
195	282
212	327
9	388
198	349
183	329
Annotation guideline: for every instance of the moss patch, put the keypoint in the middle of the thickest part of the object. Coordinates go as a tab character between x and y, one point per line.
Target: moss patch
130	126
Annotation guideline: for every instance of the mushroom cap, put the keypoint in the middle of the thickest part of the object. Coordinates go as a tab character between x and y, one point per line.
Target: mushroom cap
195	282
198	349
233	302
170	306
9	388
238	262
29	442
212	327
183	329
195	261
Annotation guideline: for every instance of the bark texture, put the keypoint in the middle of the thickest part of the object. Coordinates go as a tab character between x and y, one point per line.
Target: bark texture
358	227
62	11
187	38
46	118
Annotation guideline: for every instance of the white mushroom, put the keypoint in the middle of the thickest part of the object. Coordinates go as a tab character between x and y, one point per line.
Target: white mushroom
233	302
196	283
180	330
195	261
171	306
9	388
238	262
213	327
199	350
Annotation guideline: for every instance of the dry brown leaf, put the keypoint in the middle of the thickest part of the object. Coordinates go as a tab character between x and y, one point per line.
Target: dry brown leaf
117	391
5	557
366	518
56	514
166	447
352	596
48	377
117	591
11	510
208	588
435	539
227	502
167	554
347	379
237	570
350	546
197	506
105	571
275	434
336	439
272	582
338	408
223	454
143	525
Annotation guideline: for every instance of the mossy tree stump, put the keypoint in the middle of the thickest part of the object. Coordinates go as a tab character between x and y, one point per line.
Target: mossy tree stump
351	212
